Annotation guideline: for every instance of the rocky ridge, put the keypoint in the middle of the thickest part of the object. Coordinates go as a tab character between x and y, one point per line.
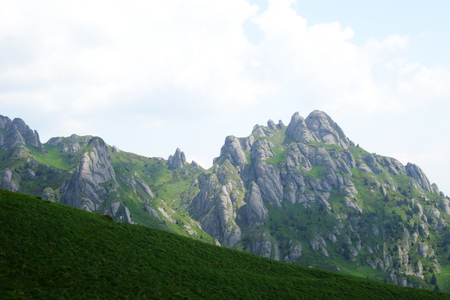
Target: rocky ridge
307	183
302	193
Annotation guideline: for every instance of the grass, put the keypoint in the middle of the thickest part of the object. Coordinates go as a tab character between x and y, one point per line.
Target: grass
52	251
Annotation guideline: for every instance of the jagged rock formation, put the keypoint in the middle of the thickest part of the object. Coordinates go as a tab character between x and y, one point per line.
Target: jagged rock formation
178	160
302	193
214	200
72	144
321	173
17	134
94	179
318	126
417	173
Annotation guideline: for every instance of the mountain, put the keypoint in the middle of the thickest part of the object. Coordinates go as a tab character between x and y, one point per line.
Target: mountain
53	251
302	193
85	172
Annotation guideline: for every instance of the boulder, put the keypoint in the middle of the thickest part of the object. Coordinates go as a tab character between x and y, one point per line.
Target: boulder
9	182
178	160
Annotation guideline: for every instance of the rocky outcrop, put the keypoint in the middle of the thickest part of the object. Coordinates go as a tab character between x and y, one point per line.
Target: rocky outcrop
93	180
143	185
255	210
152	211
423	249
178	160
232	150
214	202
324	129
417	173
18	134
353	205
72	144
295	249
9	181
30	136
126	215
115	149
298	130
48	194
318	126
195	166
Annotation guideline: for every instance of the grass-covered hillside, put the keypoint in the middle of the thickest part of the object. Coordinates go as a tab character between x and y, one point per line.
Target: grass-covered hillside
39	172
53	251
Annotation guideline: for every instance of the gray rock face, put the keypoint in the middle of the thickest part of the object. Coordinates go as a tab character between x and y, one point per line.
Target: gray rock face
213	203
31	173
441	224
417	173
195	166
232	150
433	212
5	122
126	215
365	168
152	211
13	139
54	141
261	131
271	125
18	134
143	185
423	249
94	179
298	130
445	205
30	136
9	182
325	130
178	160
295	250
256	211
114	208
353	205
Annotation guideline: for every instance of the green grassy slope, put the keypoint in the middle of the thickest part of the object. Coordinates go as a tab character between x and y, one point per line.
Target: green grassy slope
52	251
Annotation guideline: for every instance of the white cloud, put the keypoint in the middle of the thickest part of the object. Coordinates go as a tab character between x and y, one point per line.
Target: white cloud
82	54
165	68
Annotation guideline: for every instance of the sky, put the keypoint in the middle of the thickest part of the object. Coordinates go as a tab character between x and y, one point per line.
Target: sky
152	76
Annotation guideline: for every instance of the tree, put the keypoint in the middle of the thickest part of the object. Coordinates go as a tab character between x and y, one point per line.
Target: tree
433	280
436	288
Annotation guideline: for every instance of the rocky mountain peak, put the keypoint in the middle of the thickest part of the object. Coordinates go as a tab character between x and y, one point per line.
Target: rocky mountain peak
298	130
415	172
17	134
318	126
232	150
86	189
326	130
178	160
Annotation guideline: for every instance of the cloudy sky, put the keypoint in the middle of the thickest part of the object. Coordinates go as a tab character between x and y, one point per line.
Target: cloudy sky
151	76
